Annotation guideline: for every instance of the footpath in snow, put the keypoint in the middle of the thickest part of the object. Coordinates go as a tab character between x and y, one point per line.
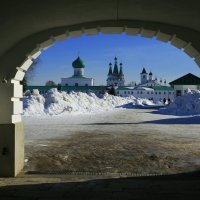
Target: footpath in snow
55	102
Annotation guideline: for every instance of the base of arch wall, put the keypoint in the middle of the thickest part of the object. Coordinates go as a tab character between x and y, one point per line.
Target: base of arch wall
11	149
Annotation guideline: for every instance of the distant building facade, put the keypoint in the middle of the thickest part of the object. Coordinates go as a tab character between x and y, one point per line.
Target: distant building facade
188	81
149	87
155	93
78	78
147	79
115	76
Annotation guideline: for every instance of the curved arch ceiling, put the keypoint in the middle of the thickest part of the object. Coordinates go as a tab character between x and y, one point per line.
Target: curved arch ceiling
27	25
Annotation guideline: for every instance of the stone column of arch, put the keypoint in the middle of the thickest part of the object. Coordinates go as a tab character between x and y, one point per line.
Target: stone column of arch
11	130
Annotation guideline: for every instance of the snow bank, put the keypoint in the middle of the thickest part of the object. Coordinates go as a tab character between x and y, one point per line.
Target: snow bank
188	104
55	103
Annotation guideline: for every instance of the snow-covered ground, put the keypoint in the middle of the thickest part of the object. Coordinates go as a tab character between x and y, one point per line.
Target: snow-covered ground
122	140
188	104
55	103
117	121
59	103
58	114
83	132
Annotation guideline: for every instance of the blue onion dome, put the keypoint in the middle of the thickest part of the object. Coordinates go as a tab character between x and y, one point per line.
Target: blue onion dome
78	63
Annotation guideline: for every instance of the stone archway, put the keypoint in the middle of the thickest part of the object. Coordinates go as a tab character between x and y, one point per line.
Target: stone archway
77	31
11	138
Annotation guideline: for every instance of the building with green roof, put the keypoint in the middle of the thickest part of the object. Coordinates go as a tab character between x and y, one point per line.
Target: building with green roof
182	84
78	78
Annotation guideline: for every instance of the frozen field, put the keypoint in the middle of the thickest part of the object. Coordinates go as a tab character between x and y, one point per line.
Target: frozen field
119	141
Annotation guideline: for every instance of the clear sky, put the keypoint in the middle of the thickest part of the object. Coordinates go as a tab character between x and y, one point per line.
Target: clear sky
135	52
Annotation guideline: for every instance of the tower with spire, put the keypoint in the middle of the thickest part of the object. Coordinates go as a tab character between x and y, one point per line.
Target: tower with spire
148	80
143	76
115	75
121	76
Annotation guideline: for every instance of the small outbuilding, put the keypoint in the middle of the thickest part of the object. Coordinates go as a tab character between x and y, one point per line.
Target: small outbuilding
182	84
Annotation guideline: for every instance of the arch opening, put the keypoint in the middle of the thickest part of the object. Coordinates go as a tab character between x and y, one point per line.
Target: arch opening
173	39
128	92
14	116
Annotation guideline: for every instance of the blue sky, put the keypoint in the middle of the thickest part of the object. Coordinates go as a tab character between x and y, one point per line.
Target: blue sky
135	52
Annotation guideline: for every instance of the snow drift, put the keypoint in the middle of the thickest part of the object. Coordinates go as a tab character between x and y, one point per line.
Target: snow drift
55	102
188	104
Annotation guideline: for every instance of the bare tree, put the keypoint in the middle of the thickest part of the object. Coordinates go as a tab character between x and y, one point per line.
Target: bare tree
30	73
50	83
132	83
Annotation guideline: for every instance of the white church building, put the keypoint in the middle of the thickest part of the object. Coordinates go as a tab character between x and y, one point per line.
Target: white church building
115	76
149	88
148	80
78	78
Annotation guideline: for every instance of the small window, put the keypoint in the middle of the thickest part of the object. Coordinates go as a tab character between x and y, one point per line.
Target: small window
155	92
141	92
144	76
164	92
76	84
159	92
147	92
66	84
132	92
151	92
138	92
169	92
124	92
86	84
128	92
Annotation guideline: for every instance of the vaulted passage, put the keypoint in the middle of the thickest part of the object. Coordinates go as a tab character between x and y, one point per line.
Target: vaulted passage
29	28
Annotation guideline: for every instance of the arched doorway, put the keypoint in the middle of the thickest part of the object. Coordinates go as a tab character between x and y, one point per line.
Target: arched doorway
25	50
